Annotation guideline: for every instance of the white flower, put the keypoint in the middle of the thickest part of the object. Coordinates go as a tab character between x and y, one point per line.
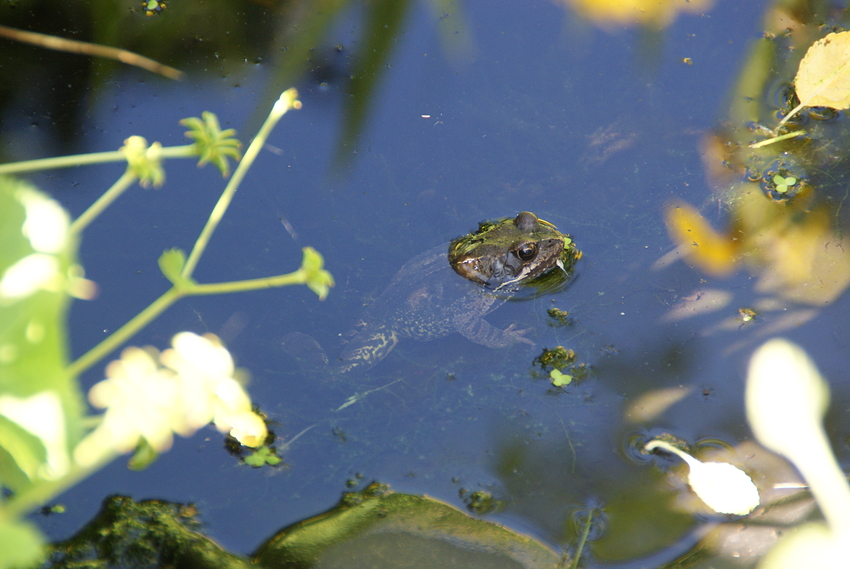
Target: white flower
152	395
140	401
208	389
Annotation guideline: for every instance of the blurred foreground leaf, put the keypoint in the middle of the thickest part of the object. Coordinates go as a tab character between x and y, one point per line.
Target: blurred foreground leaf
20	545
40	404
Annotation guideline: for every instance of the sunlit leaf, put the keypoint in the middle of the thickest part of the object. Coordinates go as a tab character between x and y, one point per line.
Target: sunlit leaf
723	487
712	252
143	456
786	401
560	379
823	79
39	403
811	545
212	144
656	13
317	278
144	161
171	264
783	382
21	545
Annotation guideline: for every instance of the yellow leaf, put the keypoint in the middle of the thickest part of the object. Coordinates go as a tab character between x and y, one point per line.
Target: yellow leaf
712	252
615	13
823	79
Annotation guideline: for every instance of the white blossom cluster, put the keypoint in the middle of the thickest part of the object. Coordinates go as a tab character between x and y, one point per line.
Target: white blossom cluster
153	395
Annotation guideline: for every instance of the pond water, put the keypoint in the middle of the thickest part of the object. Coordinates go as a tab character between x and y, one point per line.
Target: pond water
596	131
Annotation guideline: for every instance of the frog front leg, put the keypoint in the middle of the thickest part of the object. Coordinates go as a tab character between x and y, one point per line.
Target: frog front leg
482	332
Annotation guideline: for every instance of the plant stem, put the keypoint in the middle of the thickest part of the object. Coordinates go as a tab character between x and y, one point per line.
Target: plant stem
171	296
85	159
583	539
91	49
104	201
793	112
126	331
286	101
776	139
297	277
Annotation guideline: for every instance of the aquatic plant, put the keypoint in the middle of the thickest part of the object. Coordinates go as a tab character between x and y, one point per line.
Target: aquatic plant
47	440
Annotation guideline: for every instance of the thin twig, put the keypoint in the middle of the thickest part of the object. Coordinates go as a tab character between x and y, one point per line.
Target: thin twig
776	139
93	49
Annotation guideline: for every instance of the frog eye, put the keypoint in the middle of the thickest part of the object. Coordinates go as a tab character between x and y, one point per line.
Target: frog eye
526	251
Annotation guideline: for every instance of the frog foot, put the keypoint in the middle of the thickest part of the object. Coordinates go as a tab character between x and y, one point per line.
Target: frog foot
515	336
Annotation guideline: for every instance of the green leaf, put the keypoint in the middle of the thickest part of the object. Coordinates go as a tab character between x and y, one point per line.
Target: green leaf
212	144
560	379
317	279
21	545
262	456
144	161
40	404
143	456
21	454
171	263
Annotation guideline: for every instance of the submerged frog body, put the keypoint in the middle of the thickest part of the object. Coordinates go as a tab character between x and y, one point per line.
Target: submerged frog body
451	288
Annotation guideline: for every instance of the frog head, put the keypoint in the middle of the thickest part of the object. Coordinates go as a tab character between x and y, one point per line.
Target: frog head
509	253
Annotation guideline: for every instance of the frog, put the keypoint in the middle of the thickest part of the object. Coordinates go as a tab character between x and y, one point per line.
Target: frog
450	288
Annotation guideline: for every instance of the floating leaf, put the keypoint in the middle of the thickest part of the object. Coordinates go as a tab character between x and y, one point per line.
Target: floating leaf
724	488
823	79
560	379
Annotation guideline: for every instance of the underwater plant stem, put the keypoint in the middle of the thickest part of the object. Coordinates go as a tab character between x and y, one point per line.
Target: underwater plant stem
583	540
776	139
185	151
286	102
114	340
125	181
793	112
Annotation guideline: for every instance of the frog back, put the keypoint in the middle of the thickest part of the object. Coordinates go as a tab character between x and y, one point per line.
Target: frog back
423	301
